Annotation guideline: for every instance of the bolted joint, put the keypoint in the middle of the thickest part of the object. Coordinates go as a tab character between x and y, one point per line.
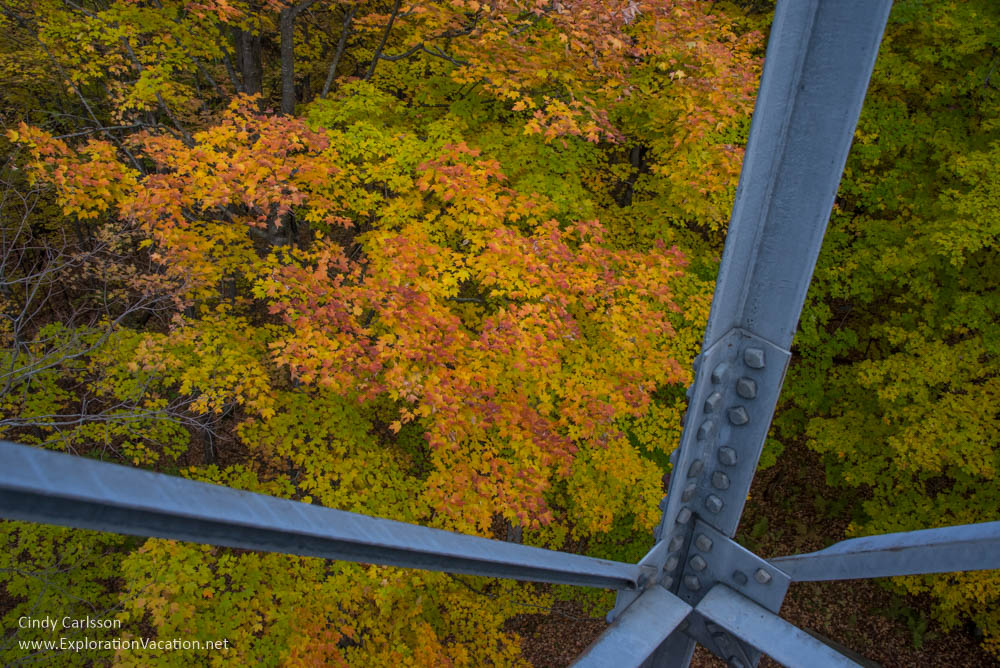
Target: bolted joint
703	543
762	576
754	358
647	576
727	456
738	415
746	388
719	372
720	480
713	402
698	563
714	503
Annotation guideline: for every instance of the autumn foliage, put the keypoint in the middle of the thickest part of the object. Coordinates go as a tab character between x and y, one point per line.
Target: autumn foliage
442	262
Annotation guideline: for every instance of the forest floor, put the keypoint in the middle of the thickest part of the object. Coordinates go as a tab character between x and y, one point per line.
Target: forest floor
791	510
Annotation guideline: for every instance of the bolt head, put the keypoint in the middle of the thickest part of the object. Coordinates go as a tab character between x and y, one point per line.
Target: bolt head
706	430
713	402
667	582
746	388
697	466
692	582
663	504
719	372
714	503
683	516
740	578
754	358
688	492
762	576
720	480
698	563
671	564
738	415
727	456
675	543
703	543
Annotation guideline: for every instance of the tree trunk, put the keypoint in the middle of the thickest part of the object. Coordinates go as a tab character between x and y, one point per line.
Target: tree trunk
248	60
287	31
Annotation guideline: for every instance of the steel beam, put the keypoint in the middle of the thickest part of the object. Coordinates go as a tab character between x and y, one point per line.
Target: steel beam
769	633
53	488
637	632
820	57
968	547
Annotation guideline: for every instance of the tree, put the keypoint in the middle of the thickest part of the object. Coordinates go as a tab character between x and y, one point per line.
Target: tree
404	304
897	380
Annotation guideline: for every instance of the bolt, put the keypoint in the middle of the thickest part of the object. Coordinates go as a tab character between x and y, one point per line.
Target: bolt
696	363
754	358
642	581
727	456
738	415
667	582
671	564
698	563
739	577
713	402
697	466
746	388
762	576
683	516
689	392
720	480
706	430
675	543
692	582
703	543
663	504
714	503
719	372
688	492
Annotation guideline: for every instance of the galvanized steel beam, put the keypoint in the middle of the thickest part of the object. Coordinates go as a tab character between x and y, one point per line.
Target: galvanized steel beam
54	488
637	632
769	633
820	57
968	547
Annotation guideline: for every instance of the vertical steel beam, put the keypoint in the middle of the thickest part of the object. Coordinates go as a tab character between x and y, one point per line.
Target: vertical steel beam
637	632
820	57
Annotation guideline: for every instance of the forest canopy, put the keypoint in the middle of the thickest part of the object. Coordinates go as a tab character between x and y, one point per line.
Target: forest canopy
448	263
